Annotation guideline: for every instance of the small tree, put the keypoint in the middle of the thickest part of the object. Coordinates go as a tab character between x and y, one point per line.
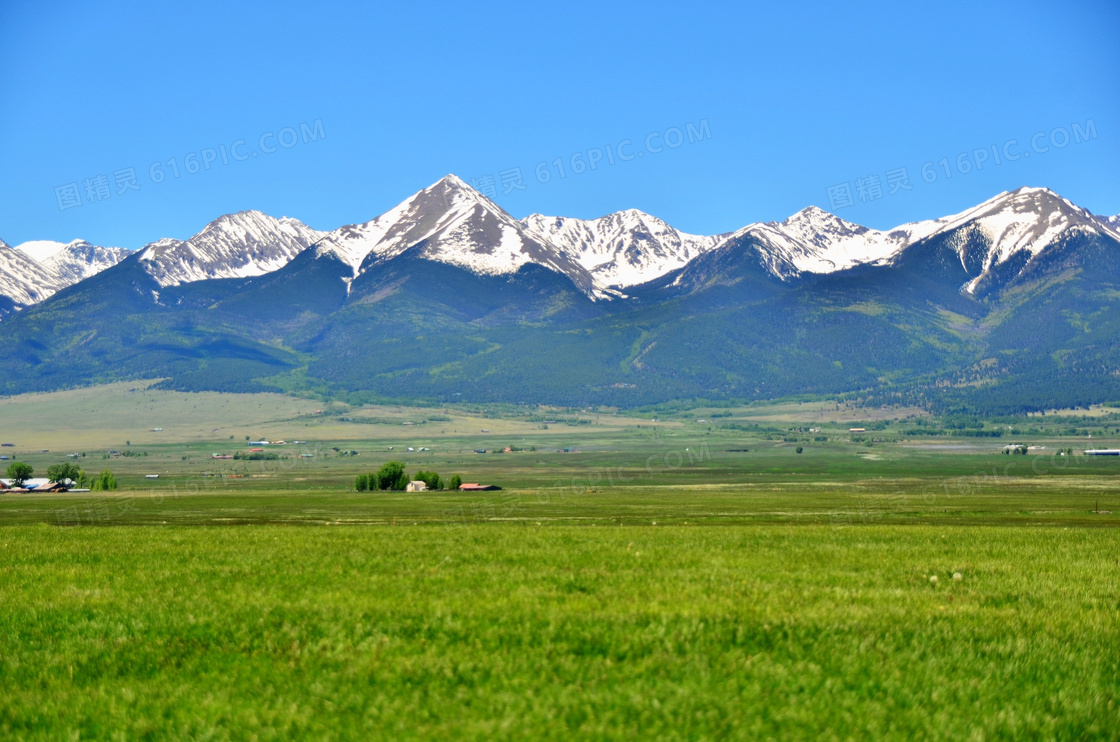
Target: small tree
456	480
63	472
800	449
391	476
430	479
365	482
19	472
105	481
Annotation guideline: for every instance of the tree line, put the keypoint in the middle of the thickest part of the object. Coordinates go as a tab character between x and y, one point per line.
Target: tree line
392	476
19	472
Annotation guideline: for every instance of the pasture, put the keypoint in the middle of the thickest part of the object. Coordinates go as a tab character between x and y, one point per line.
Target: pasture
662	578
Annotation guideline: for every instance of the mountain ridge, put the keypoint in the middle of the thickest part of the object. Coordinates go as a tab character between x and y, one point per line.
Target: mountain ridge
603	256
1007	306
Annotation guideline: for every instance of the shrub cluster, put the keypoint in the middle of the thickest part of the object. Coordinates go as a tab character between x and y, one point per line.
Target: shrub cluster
392	476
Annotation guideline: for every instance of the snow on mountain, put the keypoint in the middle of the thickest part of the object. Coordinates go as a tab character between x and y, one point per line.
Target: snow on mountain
1112	222
22	279
79	260
32	271
41	250
815	241
1026	219
622	249
248	243
450	222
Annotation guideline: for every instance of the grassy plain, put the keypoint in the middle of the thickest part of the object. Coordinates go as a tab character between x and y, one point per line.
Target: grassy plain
689	577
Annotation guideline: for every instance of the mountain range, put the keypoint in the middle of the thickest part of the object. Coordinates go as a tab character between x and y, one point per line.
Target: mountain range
33	271
1009	305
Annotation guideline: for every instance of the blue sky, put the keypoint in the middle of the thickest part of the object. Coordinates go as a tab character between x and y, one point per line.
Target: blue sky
782	104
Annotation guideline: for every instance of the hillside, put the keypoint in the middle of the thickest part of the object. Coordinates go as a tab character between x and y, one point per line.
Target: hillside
1008	306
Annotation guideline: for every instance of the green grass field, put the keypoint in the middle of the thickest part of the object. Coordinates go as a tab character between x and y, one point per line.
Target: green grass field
668	579
519	632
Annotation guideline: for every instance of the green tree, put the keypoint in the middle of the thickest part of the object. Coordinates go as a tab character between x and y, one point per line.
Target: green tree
456	480
430	479
391	476
63	472
365	482
19	472
105	481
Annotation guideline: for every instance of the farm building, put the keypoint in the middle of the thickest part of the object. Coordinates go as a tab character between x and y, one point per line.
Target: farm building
1103	452
416	486
37	484
475	487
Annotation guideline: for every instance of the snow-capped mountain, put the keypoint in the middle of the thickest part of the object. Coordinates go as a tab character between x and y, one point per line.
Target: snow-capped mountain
22	279
621	249
248	243
815	241
450	222
41	250
32	271
1019	225
1027	219
74	261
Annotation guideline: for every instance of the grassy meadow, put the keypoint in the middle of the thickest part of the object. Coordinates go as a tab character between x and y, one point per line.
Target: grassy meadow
671	575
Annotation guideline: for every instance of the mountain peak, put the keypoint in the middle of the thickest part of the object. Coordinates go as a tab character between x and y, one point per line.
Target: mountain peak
449	222
813	212
239	245
41	250
33	271
451	180
451	187
816	218
622	249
